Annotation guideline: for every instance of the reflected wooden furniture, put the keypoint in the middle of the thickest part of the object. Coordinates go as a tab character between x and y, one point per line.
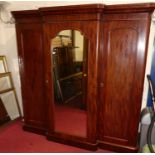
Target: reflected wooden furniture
66	75
64	61
74	81
117	49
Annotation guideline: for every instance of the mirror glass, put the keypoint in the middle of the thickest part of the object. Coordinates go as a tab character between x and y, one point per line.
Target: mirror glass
69	59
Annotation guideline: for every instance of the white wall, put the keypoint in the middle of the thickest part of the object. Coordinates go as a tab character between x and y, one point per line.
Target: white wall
25	5
8	37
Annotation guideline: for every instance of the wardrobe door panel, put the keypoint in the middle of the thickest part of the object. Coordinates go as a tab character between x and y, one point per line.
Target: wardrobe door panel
122	64
120	75
86	139
32	75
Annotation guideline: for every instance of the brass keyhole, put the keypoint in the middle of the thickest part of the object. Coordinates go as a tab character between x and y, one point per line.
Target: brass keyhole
85	75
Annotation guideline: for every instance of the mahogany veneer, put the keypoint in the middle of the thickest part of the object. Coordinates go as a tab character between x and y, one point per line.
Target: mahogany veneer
117	50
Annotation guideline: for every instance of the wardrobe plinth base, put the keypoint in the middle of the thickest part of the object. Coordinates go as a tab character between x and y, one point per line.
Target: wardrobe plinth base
37	130
117	147
72	140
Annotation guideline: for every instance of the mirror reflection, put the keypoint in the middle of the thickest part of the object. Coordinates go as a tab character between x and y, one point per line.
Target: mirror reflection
69	57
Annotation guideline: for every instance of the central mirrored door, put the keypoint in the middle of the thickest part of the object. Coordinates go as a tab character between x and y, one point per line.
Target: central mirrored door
69	59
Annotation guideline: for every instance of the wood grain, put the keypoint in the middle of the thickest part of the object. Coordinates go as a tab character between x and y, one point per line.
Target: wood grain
117	49
30	47
122	72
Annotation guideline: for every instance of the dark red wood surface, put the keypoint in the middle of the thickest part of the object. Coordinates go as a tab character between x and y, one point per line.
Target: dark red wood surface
117	49
121	72
51	30
30	50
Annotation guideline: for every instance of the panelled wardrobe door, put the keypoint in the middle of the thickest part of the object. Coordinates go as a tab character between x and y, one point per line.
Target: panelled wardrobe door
71	41
30	51
70	83
121	65
82	70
